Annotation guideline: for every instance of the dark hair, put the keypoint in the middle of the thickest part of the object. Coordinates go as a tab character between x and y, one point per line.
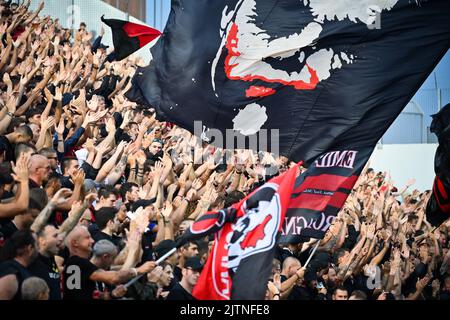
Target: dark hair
15	245
127	187
107	192
25	131
340	287
65	163
189	243
412	217
46	152
360	295
164	264
233	197
104	215
32	112
218	201
22	148
15	122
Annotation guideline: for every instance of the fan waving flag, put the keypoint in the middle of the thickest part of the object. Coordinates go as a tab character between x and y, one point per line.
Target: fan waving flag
240	262
129	37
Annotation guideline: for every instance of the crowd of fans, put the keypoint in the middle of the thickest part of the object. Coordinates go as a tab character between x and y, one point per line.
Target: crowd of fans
94	190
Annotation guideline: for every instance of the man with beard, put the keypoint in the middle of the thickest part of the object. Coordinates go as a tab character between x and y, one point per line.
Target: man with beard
154	151
188	250
20	251
130	193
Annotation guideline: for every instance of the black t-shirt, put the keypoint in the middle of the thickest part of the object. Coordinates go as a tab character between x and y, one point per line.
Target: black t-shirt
33	185
179	293
8	147
13	267
47	269
177	274
444	295
66	182
99	235
8	228
84	268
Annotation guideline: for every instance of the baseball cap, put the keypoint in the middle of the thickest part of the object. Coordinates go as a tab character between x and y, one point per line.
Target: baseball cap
164	247
194	263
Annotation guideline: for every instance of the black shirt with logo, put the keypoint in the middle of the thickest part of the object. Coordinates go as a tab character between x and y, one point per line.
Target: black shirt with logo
47	269
76	279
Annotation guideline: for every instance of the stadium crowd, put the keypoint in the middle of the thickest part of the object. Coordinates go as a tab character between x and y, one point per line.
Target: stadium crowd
94	190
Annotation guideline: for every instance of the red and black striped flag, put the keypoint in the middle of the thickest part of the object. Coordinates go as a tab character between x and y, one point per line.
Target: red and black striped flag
129	37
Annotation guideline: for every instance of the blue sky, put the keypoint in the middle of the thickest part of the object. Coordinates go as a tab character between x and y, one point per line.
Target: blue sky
162	12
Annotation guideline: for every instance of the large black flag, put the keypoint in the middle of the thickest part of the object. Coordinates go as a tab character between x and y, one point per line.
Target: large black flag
438	207
328	75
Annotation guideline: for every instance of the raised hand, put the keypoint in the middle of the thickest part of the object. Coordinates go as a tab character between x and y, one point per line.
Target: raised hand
59	129
141	219
168	208
197	184
58	94
20	170
158	169
78	177
61	196
371	231
110	124
47	123
410	182
93	104
191	194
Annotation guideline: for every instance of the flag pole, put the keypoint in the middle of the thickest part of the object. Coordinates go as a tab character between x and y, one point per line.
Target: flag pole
312	254
164	257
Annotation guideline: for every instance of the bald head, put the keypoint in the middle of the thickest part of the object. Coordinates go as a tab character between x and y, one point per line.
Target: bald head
39	168
79	242
37	161
290	266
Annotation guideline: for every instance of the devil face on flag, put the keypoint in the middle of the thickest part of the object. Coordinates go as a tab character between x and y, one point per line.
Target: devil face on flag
339	70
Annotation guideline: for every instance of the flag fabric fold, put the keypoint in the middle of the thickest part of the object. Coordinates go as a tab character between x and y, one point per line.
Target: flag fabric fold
129	37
